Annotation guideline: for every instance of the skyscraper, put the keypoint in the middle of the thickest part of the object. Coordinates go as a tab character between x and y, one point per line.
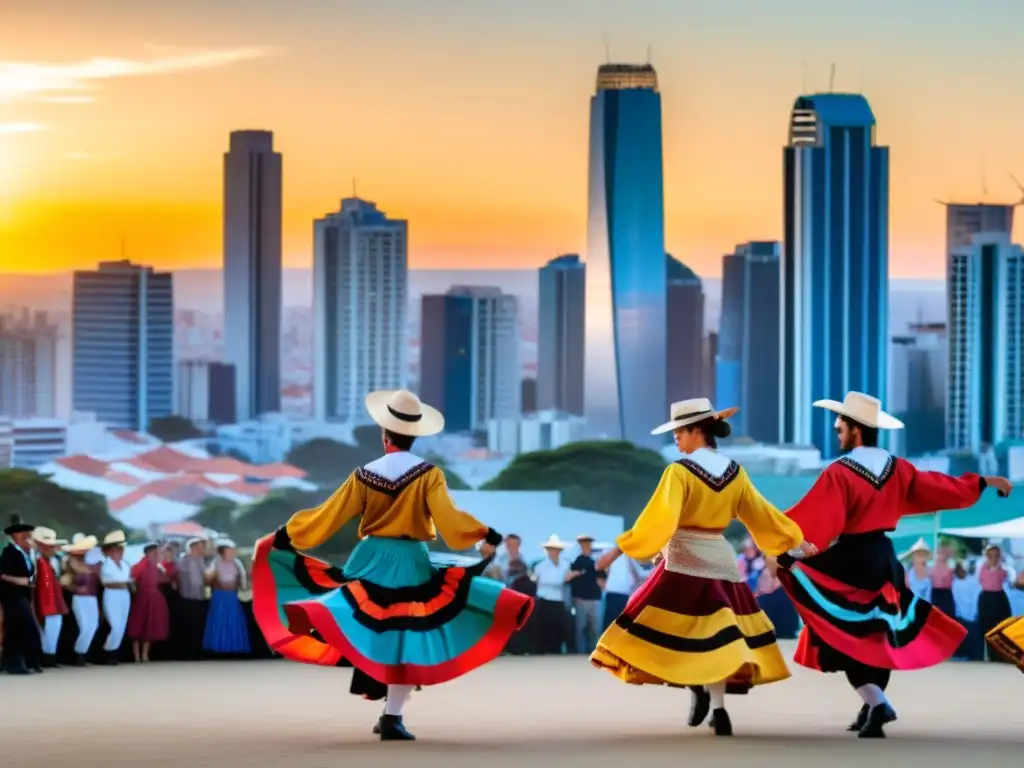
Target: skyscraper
469	356
123	344
835	263
252	271
625	318
747	368
684	365
986	343
561	335
360	289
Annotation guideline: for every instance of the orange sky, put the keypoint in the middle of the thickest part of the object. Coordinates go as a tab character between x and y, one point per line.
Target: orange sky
470	120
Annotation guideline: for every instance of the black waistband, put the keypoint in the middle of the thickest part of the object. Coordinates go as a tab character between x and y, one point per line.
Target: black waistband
861	538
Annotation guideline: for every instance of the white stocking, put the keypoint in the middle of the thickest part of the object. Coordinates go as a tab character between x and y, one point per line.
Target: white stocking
873	695
717	693
397	696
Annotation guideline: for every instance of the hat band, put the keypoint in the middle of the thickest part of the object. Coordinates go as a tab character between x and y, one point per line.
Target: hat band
404	416
691	415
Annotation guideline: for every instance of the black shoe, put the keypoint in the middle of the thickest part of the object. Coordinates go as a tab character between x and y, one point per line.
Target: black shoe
721	723
50	662
80	661
700	705
392	729
113	659
877	717
862	718
376	727
16	666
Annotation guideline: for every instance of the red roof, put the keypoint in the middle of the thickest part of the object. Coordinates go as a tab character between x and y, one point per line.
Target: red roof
84	465
130	437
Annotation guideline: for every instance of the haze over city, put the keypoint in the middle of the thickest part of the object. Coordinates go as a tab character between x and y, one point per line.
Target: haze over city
470	119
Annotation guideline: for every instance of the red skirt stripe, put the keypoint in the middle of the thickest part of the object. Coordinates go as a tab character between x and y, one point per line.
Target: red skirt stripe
691	595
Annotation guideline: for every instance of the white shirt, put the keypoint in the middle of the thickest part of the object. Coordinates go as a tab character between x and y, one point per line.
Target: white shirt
965	597
551	578
115	573
624	576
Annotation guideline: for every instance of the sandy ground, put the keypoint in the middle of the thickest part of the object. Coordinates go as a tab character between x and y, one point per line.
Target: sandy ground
511	713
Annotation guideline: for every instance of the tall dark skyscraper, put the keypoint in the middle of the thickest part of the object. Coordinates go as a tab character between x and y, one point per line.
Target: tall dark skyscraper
123	347
685	316
252	271
560	335
747	368
625	355
835	265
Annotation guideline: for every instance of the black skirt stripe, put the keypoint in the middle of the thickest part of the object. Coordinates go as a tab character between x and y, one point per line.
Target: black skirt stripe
678	644
870	626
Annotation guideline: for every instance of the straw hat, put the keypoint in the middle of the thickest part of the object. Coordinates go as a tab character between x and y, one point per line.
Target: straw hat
80	544
16	526
919	546
225	543
401	412
864	409
690	412
584	537
554	543
192	542
47	537
115	539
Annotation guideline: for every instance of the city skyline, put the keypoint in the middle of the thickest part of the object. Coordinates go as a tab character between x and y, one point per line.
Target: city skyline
494	169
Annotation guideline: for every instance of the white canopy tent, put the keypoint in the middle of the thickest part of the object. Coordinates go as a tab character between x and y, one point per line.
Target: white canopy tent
1008	529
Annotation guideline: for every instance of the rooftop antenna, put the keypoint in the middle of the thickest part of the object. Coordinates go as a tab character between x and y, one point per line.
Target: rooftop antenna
832	78
1021	188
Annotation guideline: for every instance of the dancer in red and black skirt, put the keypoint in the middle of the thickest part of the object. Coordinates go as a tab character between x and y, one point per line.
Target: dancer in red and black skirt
860	618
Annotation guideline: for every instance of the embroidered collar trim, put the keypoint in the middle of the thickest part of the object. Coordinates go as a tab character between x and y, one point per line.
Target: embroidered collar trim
715	483
877	481
392	487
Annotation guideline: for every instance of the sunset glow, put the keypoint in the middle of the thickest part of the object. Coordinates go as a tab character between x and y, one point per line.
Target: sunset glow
470	120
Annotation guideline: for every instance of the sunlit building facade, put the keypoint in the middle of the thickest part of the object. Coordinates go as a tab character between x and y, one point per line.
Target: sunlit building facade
626	334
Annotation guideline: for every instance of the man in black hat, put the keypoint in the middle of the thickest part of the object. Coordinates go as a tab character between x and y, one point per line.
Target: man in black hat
22	652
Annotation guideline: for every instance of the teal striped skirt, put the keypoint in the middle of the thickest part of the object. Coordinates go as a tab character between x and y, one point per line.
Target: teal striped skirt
390	613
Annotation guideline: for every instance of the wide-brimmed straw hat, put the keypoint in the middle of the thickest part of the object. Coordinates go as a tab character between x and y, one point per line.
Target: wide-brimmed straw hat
401	412
47	537
687	412
554	542
919	546
80	544
115	539
584	537
864	409
16	526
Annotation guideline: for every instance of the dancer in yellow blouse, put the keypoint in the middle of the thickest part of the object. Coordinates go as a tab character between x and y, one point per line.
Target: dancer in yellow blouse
694	622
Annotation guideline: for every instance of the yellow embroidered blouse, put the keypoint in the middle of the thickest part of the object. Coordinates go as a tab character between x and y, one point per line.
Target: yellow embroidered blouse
415	505
688	496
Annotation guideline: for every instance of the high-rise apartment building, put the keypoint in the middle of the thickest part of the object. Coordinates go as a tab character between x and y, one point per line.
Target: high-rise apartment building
747	368
360	300
985	285
205	391
684	313
561	335
28	366
123	344
835	263
469	356
252	271
917	389
626	291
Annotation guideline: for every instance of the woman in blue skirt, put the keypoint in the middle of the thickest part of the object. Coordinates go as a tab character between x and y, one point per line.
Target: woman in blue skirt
227	628
390	613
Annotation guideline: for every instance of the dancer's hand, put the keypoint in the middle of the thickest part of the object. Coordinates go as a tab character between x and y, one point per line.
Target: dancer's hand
604	562
808	549
487	550
1001	484
771	565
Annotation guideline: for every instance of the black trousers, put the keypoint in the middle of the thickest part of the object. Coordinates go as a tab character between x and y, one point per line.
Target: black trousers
553	626
861	674
22	639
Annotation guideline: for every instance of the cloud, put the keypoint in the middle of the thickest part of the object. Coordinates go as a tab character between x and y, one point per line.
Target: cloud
34	80
7	128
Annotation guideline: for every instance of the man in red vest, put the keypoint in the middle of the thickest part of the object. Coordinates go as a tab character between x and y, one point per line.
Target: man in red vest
49	595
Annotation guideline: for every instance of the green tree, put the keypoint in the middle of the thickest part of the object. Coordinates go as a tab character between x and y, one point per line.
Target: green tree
616	478
217	513
41	502
172	429
328	462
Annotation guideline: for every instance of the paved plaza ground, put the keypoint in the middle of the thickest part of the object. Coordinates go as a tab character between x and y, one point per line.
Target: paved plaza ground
521	712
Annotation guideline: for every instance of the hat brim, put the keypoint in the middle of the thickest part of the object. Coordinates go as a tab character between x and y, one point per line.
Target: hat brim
430	422
80	548
19	528
672	426
882	421
552	545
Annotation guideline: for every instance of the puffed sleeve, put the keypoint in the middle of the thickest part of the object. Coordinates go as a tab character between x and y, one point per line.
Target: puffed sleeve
772	531
459	530
660	518
935	491
821	514
310	528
